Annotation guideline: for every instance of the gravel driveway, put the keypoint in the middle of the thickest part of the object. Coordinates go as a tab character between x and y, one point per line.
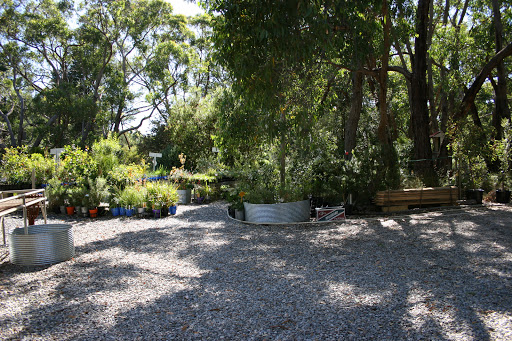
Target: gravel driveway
444	275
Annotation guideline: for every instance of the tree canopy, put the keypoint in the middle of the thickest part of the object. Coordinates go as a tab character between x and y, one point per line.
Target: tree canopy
319	89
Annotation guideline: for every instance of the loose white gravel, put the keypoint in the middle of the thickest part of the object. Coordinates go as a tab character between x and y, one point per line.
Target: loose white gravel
444	275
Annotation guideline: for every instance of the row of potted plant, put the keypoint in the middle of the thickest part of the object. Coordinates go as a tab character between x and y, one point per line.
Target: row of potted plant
161	197
83	197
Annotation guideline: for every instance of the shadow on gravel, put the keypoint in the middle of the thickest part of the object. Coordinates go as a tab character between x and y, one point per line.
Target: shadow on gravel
440	276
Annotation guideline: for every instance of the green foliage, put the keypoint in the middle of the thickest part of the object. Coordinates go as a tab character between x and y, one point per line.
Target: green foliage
56	192
98	191
233	195
334	178
503	154
161	194
17	166
105	152
260	182
125	175
470	150
76	165
169	157
181	178
160	171
131	196
191	120
75	195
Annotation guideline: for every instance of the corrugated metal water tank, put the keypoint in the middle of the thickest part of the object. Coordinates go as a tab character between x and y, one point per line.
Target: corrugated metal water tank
43	244
289	212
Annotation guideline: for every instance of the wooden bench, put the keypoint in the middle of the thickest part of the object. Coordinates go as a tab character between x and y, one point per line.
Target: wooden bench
12	200
402	199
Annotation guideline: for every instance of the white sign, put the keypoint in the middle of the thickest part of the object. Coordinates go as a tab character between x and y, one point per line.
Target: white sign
215	149
154	156
57	152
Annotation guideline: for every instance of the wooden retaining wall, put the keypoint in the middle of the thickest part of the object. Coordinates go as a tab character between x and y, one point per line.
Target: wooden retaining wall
397	200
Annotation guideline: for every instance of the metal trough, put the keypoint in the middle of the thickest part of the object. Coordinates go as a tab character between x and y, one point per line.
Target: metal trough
289	212
41	244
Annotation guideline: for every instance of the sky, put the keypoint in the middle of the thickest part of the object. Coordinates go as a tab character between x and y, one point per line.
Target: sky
185	7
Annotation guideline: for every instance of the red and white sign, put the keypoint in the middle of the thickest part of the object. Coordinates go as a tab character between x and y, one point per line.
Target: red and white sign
330	213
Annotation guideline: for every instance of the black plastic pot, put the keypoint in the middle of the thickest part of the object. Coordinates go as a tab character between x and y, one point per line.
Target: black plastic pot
475	194
503	196
348	209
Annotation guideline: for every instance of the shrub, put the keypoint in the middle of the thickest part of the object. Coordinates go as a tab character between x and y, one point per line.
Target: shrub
56	192
125	175
98	191
105	153
132	196
161	194
17	166
76	165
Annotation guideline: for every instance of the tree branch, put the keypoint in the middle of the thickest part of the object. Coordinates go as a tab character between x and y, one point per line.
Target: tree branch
470	95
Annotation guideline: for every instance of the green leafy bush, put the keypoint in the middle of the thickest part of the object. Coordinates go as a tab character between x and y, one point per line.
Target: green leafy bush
77	165
125	175
105	153
17	166
161	194
56	192
98	191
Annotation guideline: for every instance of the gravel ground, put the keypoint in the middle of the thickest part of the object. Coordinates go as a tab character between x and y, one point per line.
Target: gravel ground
444	275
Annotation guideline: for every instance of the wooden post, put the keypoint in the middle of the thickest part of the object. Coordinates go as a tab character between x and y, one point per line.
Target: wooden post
34	178
3	227
25	214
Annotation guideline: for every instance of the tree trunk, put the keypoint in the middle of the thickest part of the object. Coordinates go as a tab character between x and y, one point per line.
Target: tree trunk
434	125
40	137
423	164
5	116
383	130
501	106
282	154
21	124
355	113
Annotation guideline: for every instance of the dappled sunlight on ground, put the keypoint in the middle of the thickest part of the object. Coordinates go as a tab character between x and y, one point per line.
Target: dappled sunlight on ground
200	275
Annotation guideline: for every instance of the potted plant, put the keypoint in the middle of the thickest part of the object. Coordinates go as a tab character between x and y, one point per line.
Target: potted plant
56	193
157	209
114	203
173	208
130	198
73	198
140	199
207	191
502	194
70	209
98	191
169	198
182	180
238	205
202	192
77	198
153	198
